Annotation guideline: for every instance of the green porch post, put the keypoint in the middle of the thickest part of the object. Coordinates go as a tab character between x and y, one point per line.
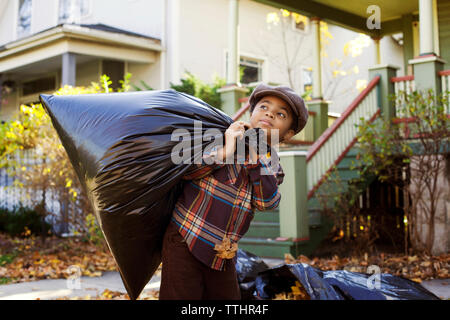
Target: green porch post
320	119
386	88
428	63
426	75
230	96
294	221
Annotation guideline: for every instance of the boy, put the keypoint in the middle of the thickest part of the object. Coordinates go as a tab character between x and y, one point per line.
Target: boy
218	202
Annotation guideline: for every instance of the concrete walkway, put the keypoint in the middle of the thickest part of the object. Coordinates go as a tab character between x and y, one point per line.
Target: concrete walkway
58	288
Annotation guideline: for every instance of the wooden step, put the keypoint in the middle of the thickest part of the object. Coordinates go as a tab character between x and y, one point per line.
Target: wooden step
263	229
270	247
267	216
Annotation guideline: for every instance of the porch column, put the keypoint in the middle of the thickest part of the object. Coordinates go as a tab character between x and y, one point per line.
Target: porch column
317	67
69	68
317	104
427	65
426	27
385	87
376	42
233	90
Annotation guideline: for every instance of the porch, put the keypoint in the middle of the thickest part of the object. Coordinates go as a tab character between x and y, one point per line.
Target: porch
297	226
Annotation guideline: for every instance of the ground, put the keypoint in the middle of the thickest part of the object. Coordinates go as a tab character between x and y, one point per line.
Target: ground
30	269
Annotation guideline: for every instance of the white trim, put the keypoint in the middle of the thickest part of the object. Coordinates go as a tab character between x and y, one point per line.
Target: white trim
425	59
302	153
383	66
81	33
334	114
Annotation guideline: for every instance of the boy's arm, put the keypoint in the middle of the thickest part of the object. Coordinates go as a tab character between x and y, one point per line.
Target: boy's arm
220	157
265	181
199	171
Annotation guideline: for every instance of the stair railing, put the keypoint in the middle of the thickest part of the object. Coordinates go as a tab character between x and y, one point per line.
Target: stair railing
338	139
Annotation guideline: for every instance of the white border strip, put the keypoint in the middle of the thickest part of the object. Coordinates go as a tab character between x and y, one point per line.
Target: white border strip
293	153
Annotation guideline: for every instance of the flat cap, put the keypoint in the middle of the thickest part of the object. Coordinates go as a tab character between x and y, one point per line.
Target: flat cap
287	94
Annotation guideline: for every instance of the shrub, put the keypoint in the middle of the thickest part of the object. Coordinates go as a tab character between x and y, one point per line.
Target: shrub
195	87
22	219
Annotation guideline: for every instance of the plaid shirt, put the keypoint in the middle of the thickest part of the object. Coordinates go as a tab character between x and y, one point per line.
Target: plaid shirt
217	205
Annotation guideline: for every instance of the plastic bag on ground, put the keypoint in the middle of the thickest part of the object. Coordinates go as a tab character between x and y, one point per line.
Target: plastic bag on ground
329	285
248	266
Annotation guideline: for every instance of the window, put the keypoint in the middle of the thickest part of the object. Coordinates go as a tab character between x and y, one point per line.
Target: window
71	11
250	70
307	76
24	18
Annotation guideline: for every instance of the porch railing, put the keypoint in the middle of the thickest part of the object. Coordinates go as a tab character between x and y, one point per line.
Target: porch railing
338	139
445	80
406	85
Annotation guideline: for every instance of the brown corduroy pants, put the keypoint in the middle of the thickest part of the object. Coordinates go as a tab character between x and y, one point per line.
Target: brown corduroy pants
184	277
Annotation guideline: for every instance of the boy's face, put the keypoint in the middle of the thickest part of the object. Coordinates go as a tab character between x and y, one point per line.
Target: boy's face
272	113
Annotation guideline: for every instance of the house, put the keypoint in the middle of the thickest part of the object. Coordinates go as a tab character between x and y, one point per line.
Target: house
299	225
403	44
46	44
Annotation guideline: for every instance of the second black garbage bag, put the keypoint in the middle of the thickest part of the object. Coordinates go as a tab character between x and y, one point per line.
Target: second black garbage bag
121	146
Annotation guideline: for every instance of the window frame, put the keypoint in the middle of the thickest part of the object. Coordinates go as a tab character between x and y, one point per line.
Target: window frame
82	16
306	68
245	55
17	19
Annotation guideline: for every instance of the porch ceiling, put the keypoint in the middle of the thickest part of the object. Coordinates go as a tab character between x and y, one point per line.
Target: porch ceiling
352	14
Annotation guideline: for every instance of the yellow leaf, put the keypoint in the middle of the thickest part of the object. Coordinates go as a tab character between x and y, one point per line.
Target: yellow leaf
285	13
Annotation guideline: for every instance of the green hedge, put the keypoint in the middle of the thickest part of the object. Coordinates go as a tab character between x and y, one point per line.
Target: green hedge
14	222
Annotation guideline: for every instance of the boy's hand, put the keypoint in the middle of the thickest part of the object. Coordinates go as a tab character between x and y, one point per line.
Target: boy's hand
236	129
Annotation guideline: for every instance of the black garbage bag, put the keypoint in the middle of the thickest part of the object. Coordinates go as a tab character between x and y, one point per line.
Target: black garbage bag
338	285
280	279
248	266
383	286
120	147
